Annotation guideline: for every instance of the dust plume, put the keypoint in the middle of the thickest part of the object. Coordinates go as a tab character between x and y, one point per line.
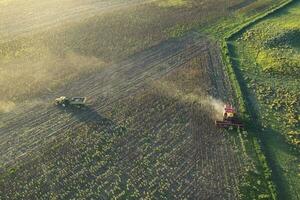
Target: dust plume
210	104
6	106
217	106
23	77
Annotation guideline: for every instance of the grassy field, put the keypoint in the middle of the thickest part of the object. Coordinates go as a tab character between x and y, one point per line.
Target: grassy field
267	58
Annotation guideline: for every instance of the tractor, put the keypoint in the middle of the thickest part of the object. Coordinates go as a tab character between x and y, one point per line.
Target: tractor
230	118
74	101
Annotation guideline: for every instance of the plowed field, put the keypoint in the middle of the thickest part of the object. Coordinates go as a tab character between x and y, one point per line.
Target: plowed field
147	131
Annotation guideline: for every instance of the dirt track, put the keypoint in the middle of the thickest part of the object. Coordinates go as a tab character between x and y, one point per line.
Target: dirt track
203	159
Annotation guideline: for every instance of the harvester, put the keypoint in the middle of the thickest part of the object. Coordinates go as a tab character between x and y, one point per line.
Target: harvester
74	101
230	118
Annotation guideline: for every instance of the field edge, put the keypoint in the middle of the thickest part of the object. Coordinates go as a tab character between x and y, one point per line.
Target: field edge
243	99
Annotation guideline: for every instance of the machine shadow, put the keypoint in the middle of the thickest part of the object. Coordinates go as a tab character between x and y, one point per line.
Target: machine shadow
93	119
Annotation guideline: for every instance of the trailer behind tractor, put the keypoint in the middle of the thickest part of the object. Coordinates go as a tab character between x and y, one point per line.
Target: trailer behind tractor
74	101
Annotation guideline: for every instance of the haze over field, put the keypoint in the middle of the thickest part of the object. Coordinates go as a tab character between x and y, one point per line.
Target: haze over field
21	17
47	44
155	75
29	65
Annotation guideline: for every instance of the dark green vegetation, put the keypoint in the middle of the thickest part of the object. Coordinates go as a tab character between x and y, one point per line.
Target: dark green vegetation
148	131
266	61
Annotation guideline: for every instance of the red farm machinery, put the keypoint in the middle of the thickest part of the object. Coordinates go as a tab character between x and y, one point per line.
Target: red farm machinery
230	118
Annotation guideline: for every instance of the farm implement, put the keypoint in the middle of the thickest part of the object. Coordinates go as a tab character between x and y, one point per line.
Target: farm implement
230	118
74	101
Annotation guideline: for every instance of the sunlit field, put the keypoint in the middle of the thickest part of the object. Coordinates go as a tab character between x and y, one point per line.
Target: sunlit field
155	81
56	42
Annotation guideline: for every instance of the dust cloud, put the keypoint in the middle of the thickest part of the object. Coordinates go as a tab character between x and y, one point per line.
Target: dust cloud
6	106
210	104
23	78
216	104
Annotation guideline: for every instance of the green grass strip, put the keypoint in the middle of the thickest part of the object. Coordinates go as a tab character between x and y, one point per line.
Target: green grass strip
241	92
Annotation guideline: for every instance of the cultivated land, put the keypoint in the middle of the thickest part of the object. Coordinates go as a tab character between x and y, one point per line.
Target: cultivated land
154	89
24	17
149	138
267	55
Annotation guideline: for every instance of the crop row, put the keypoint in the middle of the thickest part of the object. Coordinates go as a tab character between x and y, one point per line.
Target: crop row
155	146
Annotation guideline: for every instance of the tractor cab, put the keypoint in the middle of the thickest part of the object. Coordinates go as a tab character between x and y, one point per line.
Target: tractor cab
62	101
229	112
